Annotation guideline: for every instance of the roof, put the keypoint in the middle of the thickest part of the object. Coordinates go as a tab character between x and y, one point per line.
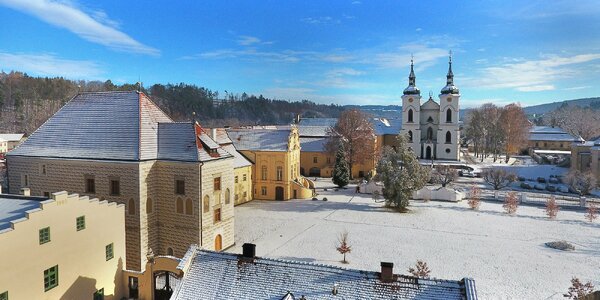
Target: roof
221	138
99	125
330	122
176	141
313	144
11	137
220	275
546	129
430	104
15	207
239	160
383	126
275	139
557	137
313	131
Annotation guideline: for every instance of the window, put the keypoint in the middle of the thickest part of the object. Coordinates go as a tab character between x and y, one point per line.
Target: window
430	119
263	190
237	197
26	180
149	206
448	137
179	205
47	195
50	278
245	195
206	205
115	187
429	133
448	116
236	179
244	177
410	136
279	173
80	223
109	251
180	187
44	235
410	116
227	196
4	296
90	185
328	160
189	207
263	173
99	294
170	251
447	150
315	160
44	169
131	207
217	184
217	215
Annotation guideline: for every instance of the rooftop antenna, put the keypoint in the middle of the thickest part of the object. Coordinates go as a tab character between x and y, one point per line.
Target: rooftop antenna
430	94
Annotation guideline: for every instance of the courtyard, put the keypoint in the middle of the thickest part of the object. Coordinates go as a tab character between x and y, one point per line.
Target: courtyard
504	254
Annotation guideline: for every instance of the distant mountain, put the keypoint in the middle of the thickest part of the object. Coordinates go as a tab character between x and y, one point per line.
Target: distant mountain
548	107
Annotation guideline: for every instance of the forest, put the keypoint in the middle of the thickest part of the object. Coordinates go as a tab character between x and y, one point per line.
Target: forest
27	102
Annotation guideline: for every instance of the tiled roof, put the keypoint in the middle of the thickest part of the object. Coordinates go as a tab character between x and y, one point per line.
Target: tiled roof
15	207
545	129
313	144
313	131
260	139
176	141
381	126
239	160
387	126
318	122
209	144
557	137
222	137
99	125
11	137
220	275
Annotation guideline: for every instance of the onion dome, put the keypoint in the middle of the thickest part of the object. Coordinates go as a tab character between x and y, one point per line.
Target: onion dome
450	88
412	89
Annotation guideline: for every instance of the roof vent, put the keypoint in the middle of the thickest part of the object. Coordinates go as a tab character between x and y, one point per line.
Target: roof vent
248	250
387	272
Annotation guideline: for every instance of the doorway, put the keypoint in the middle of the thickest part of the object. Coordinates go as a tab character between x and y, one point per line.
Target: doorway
428	152
218	243
278	193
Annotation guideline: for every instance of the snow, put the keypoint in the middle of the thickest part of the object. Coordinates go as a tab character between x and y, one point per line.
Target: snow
504	254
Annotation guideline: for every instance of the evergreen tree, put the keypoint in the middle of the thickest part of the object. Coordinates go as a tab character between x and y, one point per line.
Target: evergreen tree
341	171
401	175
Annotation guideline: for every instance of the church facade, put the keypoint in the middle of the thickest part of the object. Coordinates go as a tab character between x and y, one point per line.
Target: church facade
432	128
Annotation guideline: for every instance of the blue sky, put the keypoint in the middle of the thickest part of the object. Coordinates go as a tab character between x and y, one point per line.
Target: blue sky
345	52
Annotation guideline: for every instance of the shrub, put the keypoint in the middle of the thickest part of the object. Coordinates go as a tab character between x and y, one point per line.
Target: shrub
474	200
511	203
420	270
552	208
592	212
344	247
579	290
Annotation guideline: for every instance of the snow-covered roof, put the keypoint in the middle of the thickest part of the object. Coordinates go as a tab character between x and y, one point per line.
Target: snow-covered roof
11	137
384	126
260	139
221	275
549	133
239	160
546	129
313	131
313	144
15	207
318	122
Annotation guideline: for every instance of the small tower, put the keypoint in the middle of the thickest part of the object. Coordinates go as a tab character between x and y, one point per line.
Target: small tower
411	111
448	137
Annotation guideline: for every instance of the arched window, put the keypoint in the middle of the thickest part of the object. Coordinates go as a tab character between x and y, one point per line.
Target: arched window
430	119
448	137
430	133
131	207
263	173
206	205
179	206
170	251
448	116
189	207
410	116
279	173
149	205
227	196
410	136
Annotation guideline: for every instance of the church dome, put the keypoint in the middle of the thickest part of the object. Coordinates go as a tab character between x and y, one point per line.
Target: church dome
450	88
412	88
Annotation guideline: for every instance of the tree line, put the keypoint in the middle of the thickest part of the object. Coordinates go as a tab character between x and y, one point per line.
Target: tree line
26	102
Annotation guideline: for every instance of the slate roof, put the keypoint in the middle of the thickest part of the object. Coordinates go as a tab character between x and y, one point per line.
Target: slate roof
318	127
275	139
239	160
15	207
313	130
99	125
548	133
220	275
176	141
313	144
329	122
11	137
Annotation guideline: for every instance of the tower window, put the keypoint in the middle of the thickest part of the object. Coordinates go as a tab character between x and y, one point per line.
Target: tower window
430	133
410	136
410	116
448	137
449	116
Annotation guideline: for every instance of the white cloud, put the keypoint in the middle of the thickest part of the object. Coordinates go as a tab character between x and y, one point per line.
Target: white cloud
530	75
577	88
95	27
246	40
320	20
344	72
250	54
424	57
50	65
418	29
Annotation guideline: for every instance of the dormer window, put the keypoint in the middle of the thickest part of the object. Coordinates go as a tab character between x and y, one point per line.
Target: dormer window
430	120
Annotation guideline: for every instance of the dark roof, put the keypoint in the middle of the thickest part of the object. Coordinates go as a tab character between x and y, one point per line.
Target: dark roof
220	275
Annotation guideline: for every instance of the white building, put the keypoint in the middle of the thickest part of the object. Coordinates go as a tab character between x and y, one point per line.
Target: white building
432	128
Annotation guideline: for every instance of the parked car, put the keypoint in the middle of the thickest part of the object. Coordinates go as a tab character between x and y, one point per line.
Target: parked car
526	185
553	180
551	188
468	174
539	187
541	180
563	189
521	178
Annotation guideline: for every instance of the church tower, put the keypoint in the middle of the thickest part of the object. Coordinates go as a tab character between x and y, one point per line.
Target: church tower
448	136
411	112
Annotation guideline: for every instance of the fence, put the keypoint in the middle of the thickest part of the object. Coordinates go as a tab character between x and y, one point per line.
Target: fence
539	199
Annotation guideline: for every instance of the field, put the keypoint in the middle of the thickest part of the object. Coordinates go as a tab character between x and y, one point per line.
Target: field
504	254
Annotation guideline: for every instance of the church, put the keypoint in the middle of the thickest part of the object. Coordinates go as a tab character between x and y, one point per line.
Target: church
432	127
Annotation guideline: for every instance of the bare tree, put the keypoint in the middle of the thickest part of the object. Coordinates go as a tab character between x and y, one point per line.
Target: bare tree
511	203
355	131
583	122
552	207
444	175
474	200
498	177
420	270
344	247
515	129
579	290
582	182
592	212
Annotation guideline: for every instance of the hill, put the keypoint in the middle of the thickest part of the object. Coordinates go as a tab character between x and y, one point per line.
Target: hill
548	107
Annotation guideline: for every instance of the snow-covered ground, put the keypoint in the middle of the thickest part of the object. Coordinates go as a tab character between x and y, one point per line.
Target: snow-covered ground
504	254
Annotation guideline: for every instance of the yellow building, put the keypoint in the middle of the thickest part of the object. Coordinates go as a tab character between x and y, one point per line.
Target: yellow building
176	182
550	138
586	157
67	247
12	140
3	146
275	156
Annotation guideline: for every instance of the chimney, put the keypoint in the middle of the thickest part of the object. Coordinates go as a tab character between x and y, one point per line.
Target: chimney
387	272
214	134
25	192
0	189
248	250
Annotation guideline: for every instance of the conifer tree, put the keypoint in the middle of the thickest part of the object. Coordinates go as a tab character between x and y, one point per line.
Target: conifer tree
341	171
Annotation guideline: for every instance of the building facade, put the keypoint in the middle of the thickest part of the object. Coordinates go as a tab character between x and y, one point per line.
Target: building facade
585	157
174	180
551	138
66	247
432	128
